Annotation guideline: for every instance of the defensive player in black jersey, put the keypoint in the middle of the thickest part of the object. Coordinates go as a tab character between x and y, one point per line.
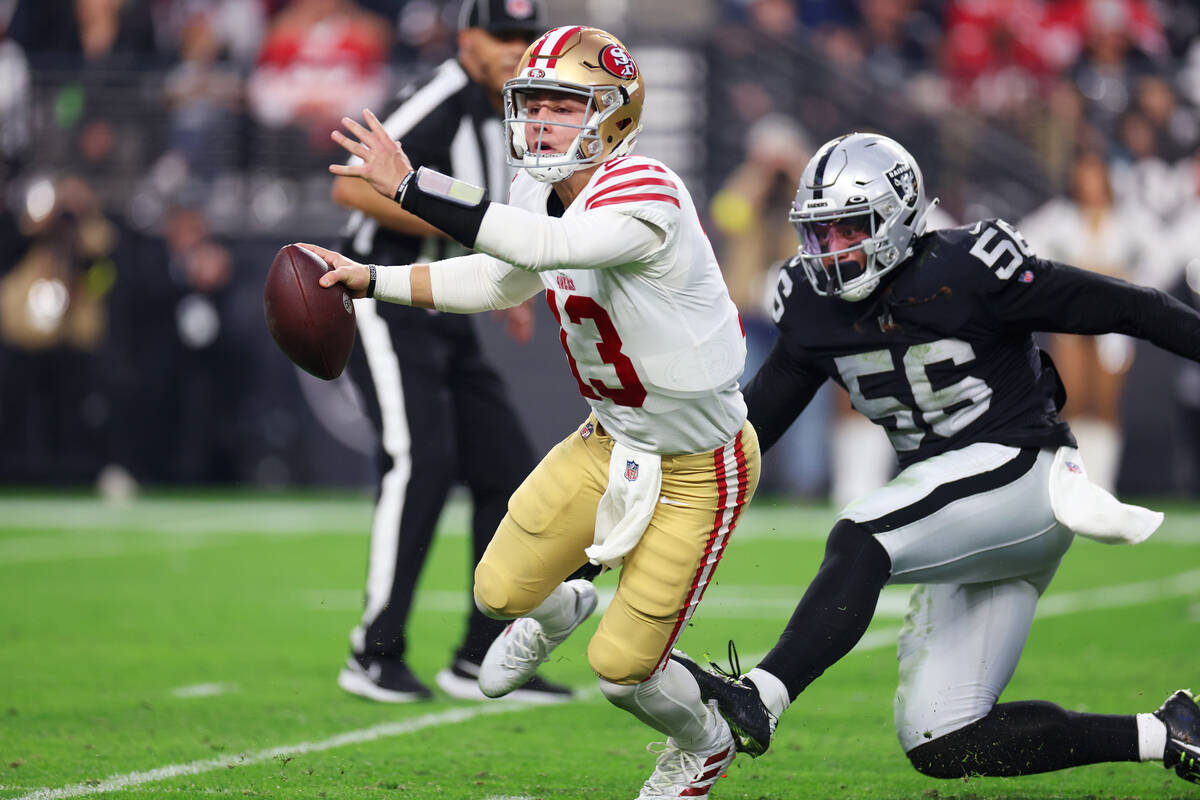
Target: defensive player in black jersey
931	336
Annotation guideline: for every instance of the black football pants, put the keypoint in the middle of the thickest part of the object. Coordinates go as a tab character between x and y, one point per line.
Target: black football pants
442	414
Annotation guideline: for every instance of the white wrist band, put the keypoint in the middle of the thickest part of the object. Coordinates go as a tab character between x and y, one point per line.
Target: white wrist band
393	284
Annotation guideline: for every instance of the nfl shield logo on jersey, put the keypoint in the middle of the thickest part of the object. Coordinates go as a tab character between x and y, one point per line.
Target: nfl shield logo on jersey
631	470
586	431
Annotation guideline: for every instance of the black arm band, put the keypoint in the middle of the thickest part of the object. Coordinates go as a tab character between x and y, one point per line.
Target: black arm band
452	206
371	282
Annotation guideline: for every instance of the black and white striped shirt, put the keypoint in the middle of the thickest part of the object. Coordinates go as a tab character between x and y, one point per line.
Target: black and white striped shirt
445	122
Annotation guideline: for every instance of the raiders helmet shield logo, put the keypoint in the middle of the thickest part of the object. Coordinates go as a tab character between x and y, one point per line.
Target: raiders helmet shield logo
616	61
904	183
519	9
631	470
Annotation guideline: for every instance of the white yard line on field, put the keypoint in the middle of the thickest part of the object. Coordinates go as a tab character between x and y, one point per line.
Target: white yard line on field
387	729
204	690
80	527
1183	584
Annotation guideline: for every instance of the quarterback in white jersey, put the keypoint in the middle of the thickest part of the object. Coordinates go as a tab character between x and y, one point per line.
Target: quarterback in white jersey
653	482
655	343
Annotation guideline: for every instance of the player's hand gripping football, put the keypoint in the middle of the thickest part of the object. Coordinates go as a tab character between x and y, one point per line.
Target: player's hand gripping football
384	163
354	275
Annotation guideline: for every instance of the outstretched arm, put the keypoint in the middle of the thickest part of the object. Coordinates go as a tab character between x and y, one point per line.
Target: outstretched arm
461	285
597	239
1065	299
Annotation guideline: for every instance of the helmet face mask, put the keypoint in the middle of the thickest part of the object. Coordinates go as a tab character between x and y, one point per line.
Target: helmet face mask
829	267
526	136
869	190
585	64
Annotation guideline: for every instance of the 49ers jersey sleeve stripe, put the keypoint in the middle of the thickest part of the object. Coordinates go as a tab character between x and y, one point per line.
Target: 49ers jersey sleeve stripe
667	189
634	198
633	180
612	173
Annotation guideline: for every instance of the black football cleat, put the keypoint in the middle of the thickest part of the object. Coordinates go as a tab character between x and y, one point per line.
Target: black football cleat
738	701
460	680
1182	718
386	680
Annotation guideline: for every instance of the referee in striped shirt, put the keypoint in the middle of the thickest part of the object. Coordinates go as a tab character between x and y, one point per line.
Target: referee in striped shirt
441	411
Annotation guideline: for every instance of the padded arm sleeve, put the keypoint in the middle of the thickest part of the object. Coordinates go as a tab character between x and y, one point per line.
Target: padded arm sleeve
591	240
479	282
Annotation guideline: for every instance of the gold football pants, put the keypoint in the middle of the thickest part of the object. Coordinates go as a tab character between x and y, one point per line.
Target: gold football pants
551	519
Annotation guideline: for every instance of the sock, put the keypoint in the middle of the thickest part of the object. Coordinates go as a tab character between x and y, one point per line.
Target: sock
835	610
773	692
1152	738
669	701
1028	737
557	612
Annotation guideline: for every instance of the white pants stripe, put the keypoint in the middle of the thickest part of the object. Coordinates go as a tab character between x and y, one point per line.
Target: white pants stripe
385	527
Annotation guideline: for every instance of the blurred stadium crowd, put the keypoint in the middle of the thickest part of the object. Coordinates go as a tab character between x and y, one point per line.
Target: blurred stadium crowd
155	153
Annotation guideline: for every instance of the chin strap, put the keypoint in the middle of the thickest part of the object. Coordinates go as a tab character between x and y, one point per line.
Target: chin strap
919	222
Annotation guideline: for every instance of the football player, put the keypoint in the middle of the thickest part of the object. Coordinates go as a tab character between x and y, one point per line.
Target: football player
655	478
931	336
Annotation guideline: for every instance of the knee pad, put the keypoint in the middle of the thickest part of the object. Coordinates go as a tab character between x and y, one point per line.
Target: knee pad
948	755
491	592
849	540
1020	738
613	662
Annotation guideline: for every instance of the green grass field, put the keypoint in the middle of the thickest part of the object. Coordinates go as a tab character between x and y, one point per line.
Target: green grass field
188	647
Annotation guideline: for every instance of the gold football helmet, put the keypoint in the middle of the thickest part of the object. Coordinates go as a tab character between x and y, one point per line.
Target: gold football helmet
593	66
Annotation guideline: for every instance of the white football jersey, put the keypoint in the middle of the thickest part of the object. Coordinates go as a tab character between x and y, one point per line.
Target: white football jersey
656	345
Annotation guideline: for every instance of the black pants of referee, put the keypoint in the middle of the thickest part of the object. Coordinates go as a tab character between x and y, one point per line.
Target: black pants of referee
442	414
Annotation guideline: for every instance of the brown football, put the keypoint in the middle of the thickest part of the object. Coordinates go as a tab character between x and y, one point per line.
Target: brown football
312	325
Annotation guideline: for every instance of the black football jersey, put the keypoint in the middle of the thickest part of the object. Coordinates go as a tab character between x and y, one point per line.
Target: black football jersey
942	355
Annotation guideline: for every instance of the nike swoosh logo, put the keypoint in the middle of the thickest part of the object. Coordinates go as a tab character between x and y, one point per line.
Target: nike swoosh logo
666	501
1191	748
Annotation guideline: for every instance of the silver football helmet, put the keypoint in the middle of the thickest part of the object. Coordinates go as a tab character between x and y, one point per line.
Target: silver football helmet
860	192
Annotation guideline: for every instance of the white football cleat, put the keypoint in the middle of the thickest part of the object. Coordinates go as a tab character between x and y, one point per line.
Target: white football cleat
523	646
683	773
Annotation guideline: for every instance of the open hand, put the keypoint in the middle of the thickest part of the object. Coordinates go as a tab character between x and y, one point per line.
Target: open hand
384	163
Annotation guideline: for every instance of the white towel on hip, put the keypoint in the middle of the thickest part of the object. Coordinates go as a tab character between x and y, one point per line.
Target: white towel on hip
1089	510
627	505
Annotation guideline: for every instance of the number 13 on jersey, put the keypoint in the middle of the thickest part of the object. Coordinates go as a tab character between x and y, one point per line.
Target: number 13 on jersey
584	311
